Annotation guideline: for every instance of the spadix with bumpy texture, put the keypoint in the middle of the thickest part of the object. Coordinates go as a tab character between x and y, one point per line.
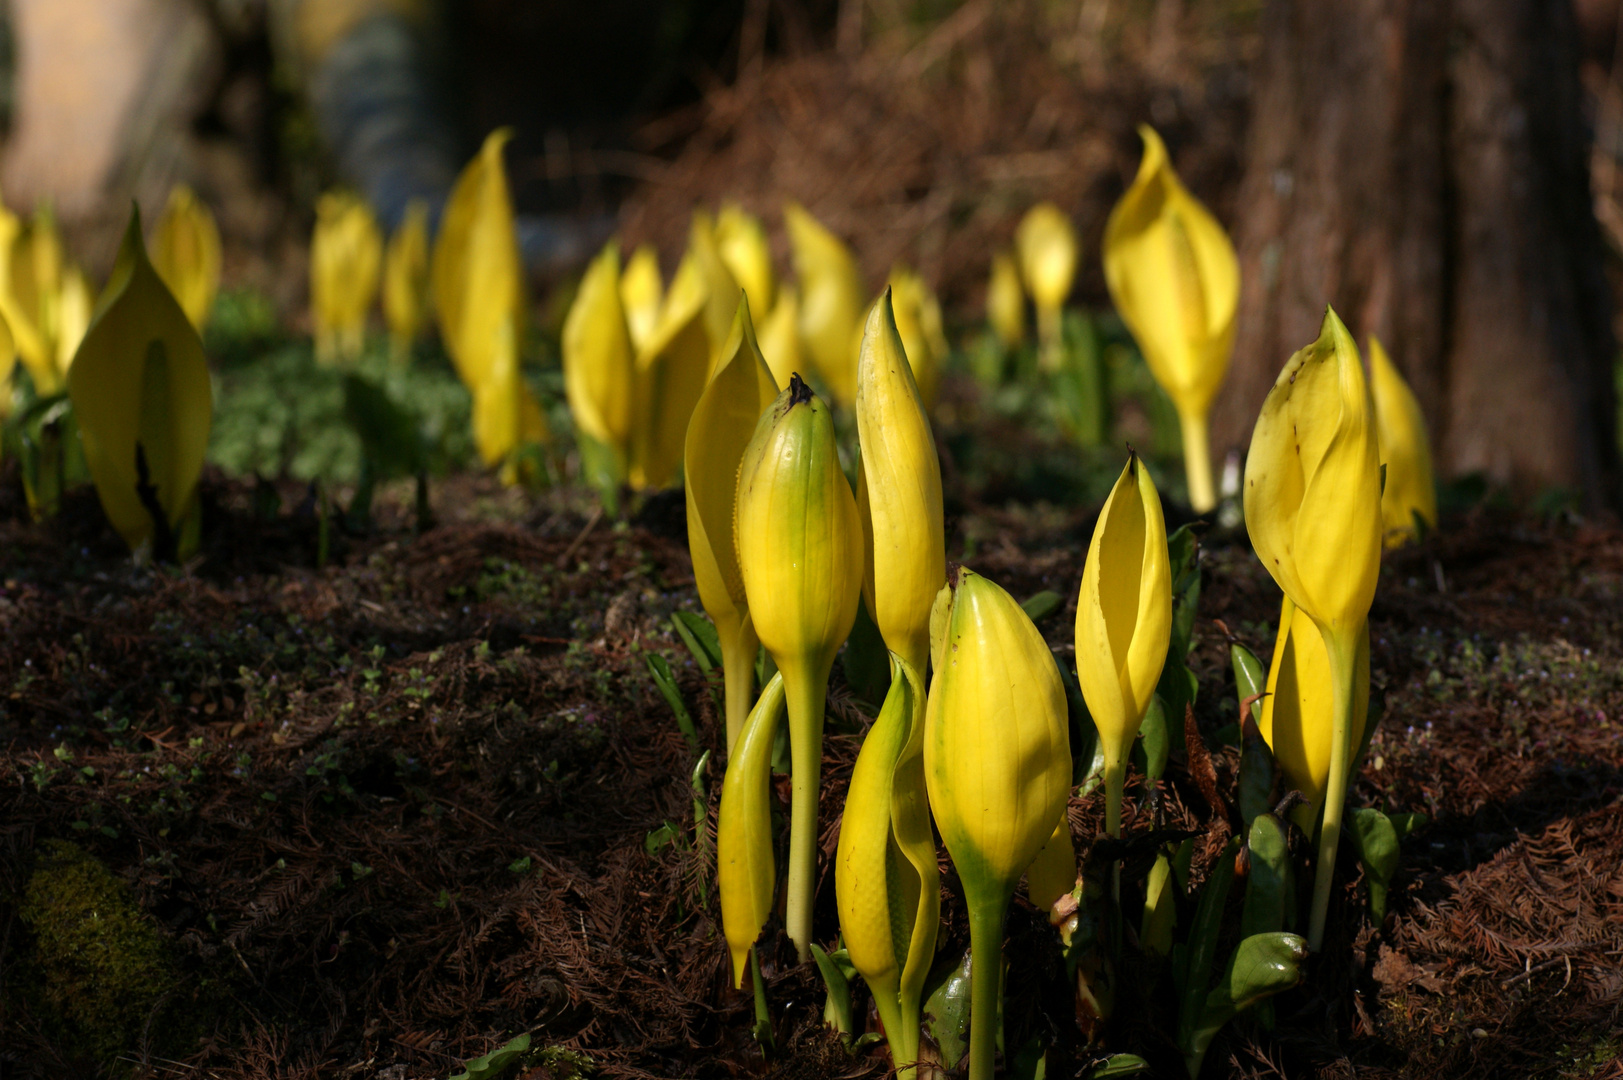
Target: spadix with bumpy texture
832	301
908	562
744	870
886	882
1298	713
722	425
1174	277
1313	510
140	390
1410	490
186	254
800	551
997	763
1123	620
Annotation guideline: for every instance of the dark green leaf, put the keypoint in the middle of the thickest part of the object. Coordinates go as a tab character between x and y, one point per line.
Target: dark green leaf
1250	677
1265	884
1087	753
698	633
1154	744
391	438
660	671
1042	605
837	1005
1377	844
1262	965
1256	774
495	1063
946	1011
1196	976
866	660
661	837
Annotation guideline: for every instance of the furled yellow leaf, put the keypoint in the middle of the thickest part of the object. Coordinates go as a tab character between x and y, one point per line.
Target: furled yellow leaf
186	253
141	393
346	257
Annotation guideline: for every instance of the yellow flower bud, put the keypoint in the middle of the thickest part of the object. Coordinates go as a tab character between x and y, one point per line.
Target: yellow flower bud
1174	277
997	764
1123	620
641	292
742	243
1006	301
1405	451
31	292
8	364
1298	715
477	279
918	321
831	301
722	424
800	551
140	390
1313	484
405	280
1313	509
744	870
1052	873
886	882
902	477
186	254
671	372
346	255
721	291
74	304
1048	250
597	356
780	335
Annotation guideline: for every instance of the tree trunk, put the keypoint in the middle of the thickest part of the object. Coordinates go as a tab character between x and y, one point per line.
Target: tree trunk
1421	165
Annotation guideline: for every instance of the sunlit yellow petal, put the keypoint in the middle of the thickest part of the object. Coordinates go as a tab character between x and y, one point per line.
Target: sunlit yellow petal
140	390
832	301
1405	450
186	253
405	279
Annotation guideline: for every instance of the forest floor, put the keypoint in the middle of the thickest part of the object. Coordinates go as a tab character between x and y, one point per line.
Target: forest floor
374	819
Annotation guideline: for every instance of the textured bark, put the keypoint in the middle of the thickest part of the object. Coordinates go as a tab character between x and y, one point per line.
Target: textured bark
1421	165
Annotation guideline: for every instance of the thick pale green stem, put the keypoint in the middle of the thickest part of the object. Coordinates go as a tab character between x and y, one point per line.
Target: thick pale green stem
1115	782
888	1005
1050	343
1343	650
806	694
1197	462
738	650
907	1044
985	983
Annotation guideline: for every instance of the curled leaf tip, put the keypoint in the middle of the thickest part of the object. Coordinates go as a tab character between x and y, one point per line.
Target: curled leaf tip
799	392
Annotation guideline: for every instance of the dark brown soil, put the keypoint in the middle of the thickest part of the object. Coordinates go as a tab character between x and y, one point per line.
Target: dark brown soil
389	813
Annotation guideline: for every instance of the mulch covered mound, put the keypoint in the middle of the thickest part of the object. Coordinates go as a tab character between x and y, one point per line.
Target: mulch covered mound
928	144
384	815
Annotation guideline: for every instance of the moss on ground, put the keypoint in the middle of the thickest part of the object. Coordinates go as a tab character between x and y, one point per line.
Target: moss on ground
100	967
